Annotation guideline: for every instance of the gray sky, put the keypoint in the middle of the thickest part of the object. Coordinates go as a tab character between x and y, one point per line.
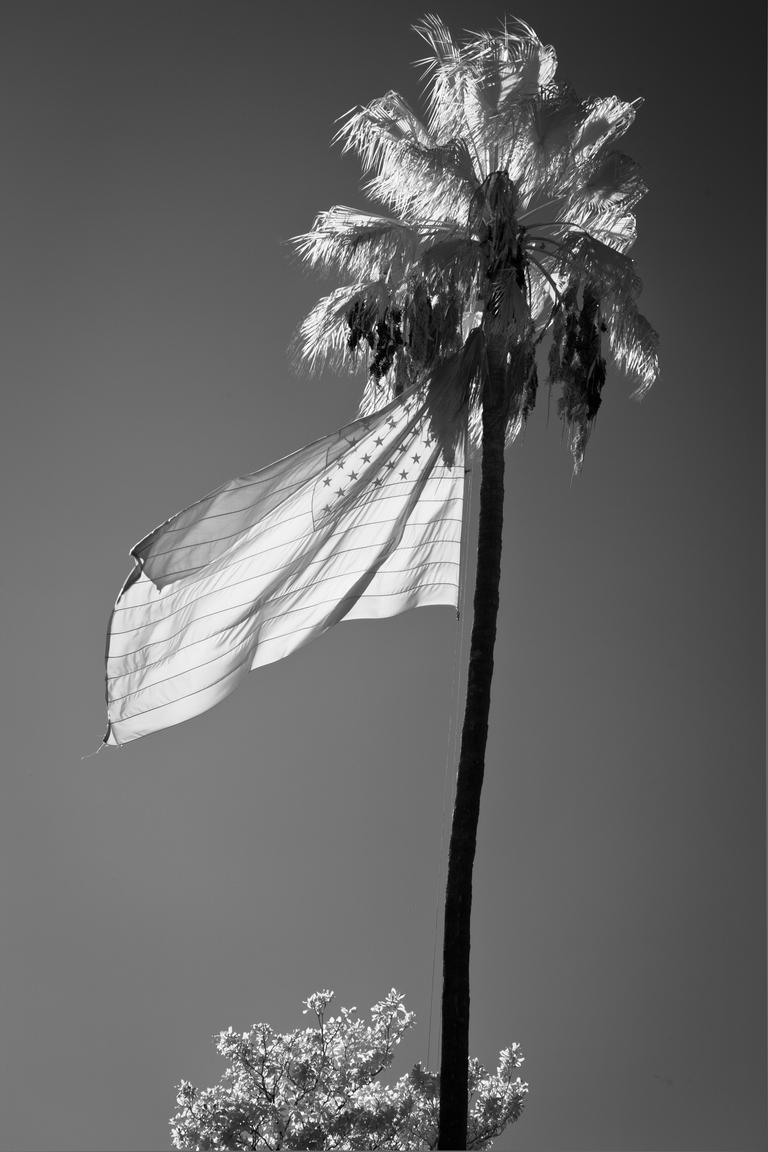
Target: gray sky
157	156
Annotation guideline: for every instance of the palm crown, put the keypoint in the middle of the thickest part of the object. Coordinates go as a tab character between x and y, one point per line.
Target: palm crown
511	218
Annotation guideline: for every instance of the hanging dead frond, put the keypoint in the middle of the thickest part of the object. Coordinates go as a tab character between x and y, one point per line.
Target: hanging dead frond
633	342
577	365
523	383
452	265
453	387
324	339
432	324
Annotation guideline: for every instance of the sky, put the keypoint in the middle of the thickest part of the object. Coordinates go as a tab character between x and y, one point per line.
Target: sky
157	159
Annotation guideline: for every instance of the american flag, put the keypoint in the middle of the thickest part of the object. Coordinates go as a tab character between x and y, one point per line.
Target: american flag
364	523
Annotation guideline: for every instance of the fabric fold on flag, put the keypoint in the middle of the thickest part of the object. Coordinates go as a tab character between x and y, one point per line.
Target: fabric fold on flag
364	523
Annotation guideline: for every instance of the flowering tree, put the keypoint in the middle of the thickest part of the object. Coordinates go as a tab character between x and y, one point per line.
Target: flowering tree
317	1088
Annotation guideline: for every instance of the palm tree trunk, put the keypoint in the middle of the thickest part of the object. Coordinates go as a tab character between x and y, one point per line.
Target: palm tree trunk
461	853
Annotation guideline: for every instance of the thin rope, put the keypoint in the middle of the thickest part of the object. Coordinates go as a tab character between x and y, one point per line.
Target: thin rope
451	751
89	754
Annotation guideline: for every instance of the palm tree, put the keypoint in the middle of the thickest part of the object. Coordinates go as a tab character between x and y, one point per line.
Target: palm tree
511	218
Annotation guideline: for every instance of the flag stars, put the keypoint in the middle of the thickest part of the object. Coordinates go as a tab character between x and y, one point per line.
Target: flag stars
390	464
378	483
326	482
378	441
403	475
340	464
415	457
353	475
366	459
339	491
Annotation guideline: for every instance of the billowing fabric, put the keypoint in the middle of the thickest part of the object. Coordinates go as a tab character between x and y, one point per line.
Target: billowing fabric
363	523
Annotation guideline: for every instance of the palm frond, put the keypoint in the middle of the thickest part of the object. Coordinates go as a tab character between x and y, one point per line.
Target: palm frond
545	285
586	259
477	89
604	119
576	363
511	68
373	130
355	243
445	51
601	200
539	148
456	383
432	322
562	143
454	260
414	174
429	183
634	344
447	75
613	179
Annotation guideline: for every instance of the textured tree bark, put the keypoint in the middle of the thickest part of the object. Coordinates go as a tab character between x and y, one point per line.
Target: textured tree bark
452	1133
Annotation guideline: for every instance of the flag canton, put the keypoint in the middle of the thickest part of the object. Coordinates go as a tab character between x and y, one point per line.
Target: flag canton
373	459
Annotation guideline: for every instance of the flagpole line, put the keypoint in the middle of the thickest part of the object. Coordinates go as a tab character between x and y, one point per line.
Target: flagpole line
451	754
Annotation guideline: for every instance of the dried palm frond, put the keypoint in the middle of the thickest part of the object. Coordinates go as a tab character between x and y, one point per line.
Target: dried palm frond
453	262
432	324
523	385
455	385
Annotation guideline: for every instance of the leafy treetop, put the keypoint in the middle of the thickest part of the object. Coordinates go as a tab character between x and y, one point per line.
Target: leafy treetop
318	1088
